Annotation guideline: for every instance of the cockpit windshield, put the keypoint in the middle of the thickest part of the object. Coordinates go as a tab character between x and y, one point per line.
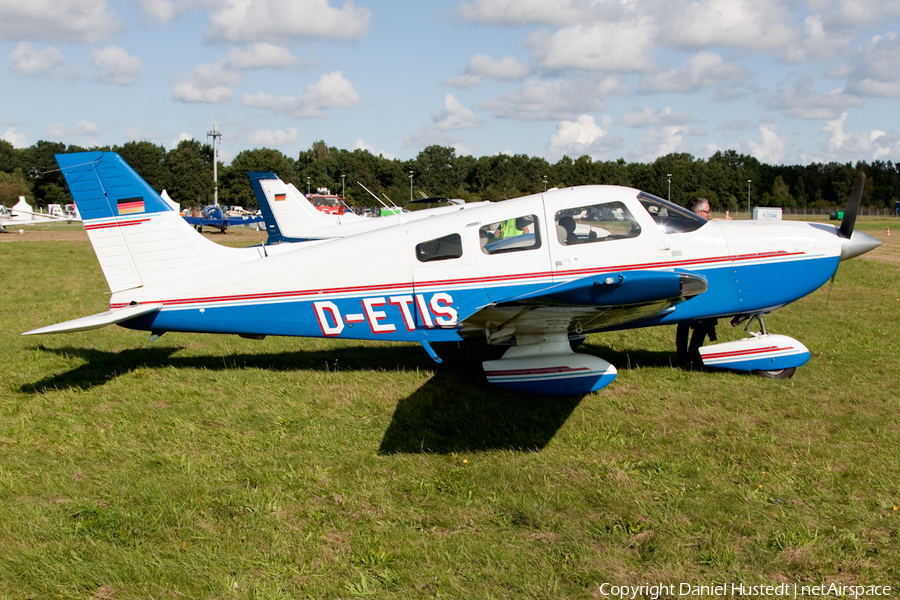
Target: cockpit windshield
671	218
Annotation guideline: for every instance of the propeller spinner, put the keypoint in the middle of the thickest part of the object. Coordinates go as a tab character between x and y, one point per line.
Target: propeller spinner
860	243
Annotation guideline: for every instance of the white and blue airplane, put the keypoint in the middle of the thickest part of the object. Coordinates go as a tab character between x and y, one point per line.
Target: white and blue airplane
534	274
290	217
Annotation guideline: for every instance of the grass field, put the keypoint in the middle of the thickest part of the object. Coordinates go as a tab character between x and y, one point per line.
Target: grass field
209	467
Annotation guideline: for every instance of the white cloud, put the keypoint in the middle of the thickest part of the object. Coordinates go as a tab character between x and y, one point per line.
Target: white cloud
47	62
463	81
647	117
874	71
274	138
360	144
454	115
183	137
160	10
210	84
704	69
772	149
582	136
515	13
116	65
844	146
247	21
606	45
482	67
18	140
331	91
659	142
801	101
554	101
87	21
760	25
261	56
84	129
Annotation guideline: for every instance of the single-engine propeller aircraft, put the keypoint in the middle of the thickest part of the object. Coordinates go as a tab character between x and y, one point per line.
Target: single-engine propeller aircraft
531	273
290	217
216	217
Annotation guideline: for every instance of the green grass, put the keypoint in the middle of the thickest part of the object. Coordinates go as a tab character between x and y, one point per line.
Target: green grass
217	467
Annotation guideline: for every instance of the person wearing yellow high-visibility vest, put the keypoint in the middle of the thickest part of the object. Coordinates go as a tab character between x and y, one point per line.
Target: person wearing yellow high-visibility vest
513	227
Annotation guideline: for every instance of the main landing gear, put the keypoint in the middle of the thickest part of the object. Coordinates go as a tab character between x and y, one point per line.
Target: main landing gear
545	364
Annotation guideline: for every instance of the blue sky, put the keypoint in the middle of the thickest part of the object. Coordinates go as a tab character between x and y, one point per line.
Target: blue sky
789	82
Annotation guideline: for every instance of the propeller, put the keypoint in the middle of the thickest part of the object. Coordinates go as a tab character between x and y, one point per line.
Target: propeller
847	225
849	220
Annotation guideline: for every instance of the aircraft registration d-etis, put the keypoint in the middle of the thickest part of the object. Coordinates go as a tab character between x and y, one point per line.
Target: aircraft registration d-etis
533	273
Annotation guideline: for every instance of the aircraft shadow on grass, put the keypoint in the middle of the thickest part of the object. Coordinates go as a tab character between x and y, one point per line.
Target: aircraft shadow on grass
456	410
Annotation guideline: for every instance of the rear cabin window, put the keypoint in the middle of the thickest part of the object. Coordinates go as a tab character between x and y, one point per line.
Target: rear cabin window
595	223
511	235
442	248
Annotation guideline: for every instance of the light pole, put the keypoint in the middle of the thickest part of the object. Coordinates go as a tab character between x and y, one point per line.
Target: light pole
748	197
215	134
545	183
307	186
343	186
670	186
410	186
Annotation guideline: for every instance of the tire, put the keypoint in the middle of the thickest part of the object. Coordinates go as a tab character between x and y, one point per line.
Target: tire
778	374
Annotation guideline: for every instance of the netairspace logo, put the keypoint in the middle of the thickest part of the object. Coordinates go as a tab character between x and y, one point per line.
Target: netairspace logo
783	590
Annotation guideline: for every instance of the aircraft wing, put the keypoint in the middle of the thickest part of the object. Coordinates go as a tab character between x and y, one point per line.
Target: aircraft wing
194	221
99	320
590	303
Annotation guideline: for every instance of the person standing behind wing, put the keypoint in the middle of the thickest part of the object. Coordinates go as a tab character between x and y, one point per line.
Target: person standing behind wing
689	354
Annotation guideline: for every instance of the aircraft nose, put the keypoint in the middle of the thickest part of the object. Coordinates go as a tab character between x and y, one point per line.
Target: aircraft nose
859	243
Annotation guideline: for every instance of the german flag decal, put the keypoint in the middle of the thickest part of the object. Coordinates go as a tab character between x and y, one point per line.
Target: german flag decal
131	206
280	197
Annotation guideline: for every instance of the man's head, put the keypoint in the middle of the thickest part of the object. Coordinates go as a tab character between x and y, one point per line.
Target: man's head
699	206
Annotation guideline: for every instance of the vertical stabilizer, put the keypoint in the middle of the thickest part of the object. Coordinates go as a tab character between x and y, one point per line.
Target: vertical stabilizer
287	212
138	238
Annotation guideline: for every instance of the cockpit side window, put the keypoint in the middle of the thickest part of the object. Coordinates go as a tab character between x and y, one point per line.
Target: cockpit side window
511	235
442	248
671	218
595	223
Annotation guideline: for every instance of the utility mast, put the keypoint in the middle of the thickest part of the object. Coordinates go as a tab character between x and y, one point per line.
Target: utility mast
215	134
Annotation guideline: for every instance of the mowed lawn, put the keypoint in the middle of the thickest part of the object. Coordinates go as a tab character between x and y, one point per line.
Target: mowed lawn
199	466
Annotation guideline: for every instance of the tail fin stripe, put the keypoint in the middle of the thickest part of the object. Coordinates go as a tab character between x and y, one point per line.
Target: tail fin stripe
114	224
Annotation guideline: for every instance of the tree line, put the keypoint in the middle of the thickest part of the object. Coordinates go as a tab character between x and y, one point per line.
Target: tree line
728	179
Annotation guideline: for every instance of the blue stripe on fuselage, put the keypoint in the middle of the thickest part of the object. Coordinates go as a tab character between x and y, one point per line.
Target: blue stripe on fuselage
743	289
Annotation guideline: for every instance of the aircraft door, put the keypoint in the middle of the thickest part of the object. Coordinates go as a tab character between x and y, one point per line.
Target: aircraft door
591	234
447	285
511	249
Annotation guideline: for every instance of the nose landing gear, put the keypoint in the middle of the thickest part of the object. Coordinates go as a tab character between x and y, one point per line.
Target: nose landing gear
761	353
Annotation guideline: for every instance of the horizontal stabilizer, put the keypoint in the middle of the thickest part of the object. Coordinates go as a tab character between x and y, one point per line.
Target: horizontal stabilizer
99	320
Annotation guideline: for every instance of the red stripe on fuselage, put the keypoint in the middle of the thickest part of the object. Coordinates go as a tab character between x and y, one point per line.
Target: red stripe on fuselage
445	283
